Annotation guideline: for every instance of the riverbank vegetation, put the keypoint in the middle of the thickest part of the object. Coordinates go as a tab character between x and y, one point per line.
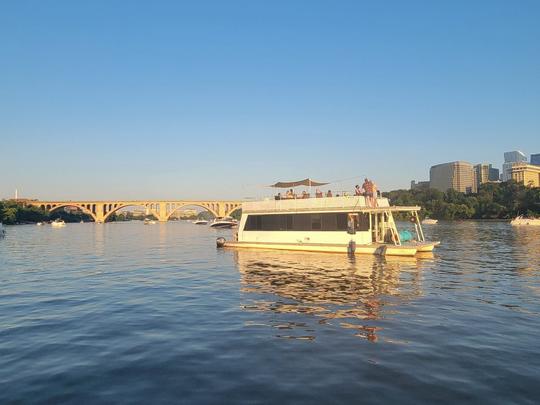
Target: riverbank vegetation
12	212
493	201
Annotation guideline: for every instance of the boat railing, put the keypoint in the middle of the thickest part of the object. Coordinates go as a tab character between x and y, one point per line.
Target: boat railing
326	203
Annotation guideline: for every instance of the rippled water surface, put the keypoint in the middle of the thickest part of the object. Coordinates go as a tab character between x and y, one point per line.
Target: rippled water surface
151	314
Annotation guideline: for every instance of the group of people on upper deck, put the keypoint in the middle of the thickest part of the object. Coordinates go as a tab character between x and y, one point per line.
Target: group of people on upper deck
367	190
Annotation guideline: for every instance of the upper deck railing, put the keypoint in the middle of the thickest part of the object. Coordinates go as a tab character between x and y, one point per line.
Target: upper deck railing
314	204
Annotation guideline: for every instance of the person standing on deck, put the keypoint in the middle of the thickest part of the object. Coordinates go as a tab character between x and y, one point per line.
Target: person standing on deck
368	193
373	193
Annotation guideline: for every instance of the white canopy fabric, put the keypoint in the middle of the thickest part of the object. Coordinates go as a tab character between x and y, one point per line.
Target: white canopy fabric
289	184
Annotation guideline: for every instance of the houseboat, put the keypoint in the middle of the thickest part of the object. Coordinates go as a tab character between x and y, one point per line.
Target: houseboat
346	224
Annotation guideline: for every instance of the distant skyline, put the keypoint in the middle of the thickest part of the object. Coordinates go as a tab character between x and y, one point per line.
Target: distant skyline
132	100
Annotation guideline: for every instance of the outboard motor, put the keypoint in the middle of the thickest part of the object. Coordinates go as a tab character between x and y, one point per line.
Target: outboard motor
220	242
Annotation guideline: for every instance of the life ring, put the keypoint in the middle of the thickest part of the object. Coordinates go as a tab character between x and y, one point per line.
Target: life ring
413	220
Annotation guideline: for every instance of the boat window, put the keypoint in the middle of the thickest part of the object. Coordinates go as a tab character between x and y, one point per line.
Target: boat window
301	222
298	222
316	222
363	222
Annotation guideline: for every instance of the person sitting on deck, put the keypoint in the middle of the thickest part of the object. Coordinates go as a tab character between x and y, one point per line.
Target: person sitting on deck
358	191
329	193
318	193
289	194
305	194
278	196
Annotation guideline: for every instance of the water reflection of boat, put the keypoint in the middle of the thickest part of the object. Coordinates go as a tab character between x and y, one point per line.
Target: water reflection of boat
334	289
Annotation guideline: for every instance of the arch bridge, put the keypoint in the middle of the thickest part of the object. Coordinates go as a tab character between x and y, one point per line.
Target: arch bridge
100	211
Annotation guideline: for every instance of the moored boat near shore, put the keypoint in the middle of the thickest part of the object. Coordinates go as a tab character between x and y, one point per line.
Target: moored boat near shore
520	221
429	221
58	223
346	224
225	222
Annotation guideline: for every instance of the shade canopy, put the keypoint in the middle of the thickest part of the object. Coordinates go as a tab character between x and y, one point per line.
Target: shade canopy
305	182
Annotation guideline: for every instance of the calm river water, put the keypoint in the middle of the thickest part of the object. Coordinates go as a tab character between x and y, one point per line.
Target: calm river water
128	313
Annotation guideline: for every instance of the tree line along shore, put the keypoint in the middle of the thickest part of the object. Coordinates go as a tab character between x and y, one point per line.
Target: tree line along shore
492	201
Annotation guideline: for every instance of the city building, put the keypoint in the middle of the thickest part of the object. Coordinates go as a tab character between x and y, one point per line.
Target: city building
494	174
485	173
535	159
511	158
459	176
419	185
526	174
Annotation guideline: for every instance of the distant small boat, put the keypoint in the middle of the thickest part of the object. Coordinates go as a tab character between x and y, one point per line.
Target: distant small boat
82	222
521	220
58	223
148	221
429	221
200	222
225	222
39	223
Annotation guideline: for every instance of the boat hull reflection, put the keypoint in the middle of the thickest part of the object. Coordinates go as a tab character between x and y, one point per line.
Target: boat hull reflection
329	289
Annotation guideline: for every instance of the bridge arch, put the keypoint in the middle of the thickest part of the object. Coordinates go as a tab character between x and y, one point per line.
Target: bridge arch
118	207
52	208
207	207
233	208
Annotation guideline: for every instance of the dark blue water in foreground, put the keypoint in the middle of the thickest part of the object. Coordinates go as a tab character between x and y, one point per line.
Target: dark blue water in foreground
155	314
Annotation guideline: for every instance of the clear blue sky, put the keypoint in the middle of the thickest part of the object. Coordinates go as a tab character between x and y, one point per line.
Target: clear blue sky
200	99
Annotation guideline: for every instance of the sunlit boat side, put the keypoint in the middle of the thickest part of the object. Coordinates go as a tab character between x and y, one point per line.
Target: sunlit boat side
347	224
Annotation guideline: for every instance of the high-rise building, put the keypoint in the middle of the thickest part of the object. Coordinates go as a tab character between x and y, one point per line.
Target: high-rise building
526	174
511	158
485	173
459	176
535	159
493	174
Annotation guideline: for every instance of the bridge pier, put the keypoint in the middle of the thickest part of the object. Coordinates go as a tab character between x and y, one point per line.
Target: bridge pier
100	213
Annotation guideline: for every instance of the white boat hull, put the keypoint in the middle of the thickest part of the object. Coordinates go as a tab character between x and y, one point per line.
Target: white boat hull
372	249
525	222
